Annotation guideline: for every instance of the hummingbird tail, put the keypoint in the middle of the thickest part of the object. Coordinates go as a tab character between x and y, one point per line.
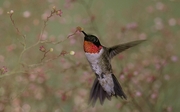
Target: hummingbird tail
118	89
97	92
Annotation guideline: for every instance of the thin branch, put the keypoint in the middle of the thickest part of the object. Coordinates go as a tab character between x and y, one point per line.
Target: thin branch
45	53
48	60
17	29
10	73
43	29
46	41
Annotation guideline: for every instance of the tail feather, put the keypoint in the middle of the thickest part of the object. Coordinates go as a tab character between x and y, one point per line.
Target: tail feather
102	96
98	92
118	89
93	92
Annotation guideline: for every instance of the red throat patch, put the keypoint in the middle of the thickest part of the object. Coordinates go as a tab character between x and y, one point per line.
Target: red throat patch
89	47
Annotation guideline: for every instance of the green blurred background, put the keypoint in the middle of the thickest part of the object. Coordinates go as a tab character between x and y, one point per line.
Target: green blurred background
149	73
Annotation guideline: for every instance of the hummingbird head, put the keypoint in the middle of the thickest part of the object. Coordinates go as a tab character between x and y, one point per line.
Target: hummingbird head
91	43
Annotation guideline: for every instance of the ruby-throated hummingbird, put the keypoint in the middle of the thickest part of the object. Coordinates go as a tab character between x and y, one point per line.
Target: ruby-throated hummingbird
106	84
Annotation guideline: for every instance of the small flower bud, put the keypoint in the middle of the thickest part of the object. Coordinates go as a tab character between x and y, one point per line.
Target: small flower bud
42	48
51	49
59	12
72	52
79	29
54	7
3	70
8	12
11	11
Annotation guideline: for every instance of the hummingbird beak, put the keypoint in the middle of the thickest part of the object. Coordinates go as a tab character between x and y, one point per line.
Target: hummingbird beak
84	33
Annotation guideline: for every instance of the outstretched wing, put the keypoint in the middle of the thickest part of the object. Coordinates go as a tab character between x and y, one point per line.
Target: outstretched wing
113	51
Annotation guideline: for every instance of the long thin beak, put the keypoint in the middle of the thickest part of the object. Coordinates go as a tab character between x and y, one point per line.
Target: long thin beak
84	33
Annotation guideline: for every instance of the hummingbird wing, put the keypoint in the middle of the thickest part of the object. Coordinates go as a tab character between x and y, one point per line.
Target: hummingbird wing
113	51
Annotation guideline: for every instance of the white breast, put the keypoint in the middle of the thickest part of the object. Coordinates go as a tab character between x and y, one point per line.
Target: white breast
93	59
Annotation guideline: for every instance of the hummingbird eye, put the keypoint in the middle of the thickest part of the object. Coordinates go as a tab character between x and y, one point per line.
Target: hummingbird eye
93	39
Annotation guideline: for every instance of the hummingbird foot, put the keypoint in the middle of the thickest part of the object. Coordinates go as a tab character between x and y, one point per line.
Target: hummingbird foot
107	83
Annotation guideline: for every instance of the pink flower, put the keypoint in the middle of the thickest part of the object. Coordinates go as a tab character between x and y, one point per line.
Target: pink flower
11	47
121	56
169	109
131	26
154	95
174	58
138	93
122	77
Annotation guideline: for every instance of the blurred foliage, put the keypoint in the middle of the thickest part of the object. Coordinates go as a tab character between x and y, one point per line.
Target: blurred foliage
61	82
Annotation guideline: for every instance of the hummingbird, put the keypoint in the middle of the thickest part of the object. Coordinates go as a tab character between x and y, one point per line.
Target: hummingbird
99	57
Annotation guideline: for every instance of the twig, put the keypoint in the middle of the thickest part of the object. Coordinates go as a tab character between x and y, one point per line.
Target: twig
44	55
48	60
17	29
10	73
25	49
46	41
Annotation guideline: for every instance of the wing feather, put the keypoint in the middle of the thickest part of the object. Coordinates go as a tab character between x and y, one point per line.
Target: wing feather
113	51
